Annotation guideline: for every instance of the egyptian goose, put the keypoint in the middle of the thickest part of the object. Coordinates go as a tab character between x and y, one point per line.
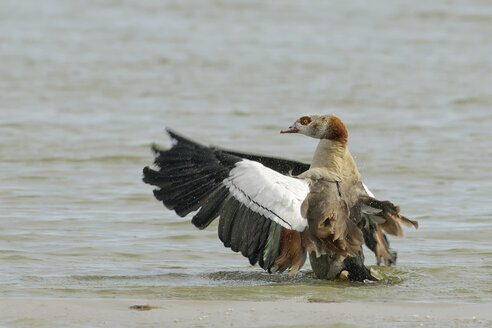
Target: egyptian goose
274	211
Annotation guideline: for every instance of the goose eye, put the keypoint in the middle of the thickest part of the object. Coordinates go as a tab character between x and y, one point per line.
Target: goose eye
305	120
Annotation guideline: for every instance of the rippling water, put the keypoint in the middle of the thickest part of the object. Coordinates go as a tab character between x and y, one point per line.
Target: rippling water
88	86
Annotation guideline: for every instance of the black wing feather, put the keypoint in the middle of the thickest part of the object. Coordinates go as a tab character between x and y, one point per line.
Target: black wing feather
227	217
210	209
189	177
283	166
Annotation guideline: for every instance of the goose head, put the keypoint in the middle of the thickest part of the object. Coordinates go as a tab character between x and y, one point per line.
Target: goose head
320	127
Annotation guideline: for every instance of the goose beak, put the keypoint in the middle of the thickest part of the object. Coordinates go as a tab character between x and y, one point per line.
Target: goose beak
291	129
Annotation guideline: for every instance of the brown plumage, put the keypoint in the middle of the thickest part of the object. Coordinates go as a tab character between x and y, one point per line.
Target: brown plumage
392	217
292	253
334	205
338	131
382	249
328	220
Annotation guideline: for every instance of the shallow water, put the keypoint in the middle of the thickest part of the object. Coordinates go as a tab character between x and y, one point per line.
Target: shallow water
87	87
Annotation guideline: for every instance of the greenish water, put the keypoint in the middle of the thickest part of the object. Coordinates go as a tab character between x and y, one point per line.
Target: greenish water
87	89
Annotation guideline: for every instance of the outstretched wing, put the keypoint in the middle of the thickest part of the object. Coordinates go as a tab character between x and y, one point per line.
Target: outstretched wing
259	208
375	219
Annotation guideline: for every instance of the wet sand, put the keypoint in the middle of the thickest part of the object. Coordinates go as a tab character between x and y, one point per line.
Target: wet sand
41	312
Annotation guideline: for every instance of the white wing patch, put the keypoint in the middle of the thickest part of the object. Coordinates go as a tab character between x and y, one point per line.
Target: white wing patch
276	196
368	191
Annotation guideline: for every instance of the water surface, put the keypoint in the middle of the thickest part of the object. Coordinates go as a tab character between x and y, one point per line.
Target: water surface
88	86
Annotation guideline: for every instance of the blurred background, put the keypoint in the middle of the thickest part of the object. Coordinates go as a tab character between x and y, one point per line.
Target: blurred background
87	86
